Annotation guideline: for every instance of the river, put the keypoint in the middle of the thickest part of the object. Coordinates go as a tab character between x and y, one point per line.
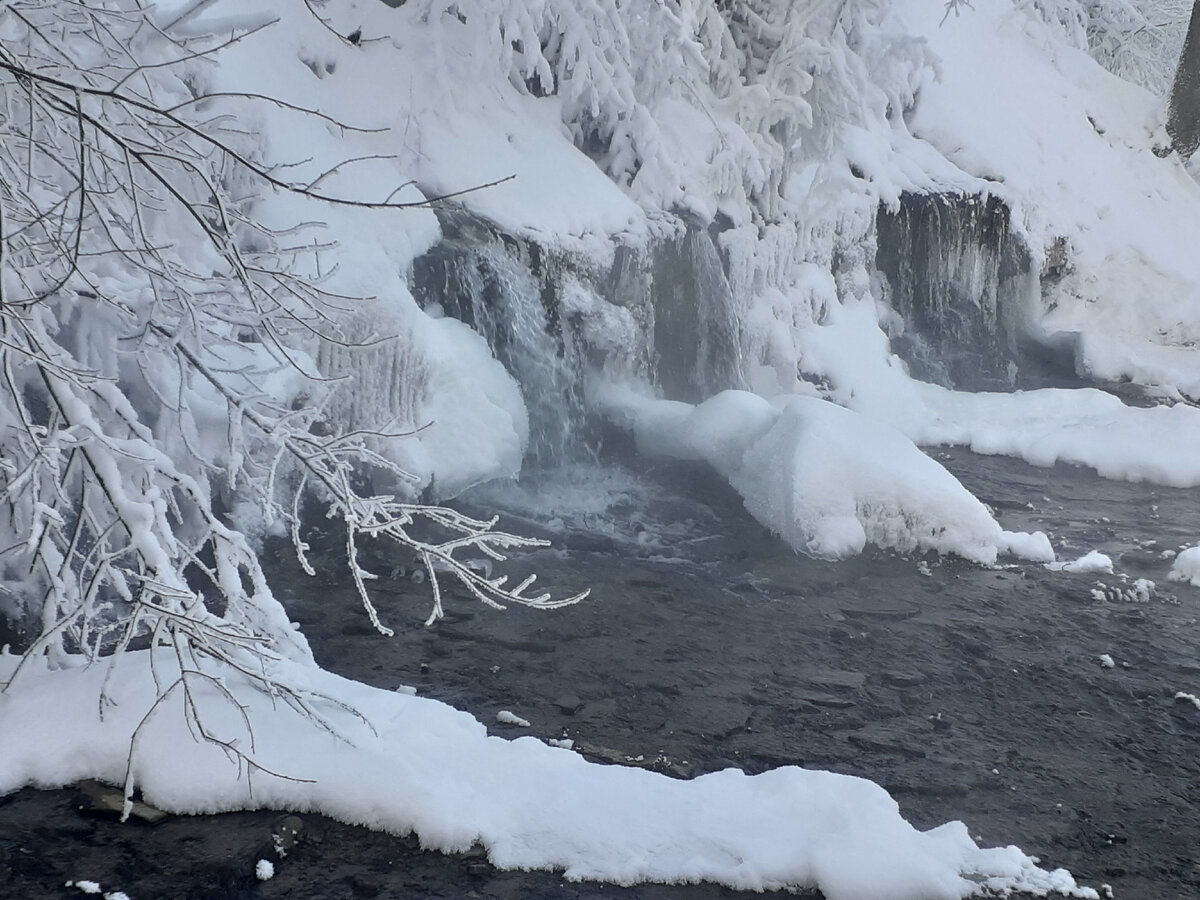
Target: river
969	693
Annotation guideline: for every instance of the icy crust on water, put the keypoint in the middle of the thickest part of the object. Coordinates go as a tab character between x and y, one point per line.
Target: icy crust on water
826	479
420	766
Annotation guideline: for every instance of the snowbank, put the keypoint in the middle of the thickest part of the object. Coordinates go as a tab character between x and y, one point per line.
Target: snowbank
1092	562
1187	567
420	766
826	479
1082	426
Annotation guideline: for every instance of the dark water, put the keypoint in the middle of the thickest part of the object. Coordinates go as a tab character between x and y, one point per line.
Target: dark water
968	693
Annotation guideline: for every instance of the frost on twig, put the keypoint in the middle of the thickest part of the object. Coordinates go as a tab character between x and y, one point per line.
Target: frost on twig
153	368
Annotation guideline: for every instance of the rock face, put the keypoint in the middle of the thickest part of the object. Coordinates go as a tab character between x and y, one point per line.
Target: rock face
962	282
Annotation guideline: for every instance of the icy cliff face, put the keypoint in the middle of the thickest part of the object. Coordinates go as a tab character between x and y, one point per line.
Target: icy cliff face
696	329
962	283
660	310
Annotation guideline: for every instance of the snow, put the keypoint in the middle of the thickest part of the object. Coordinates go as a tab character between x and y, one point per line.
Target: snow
1092	562
264	870
1187	567
1005	110
1005	106
1106	661
827	480
1082	426
505	717
1068	146
420	766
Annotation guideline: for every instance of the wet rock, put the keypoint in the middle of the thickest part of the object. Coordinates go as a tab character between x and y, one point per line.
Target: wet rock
1142	559
603	754
568	704
106	801
674	768
886	739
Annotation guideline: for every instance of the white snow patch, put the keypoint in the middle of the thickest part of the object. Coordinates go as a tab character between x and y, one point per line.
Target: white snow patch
1187	567
1107	662
423	767
826	479
85	886
510	718
264	870
1092	562
1085	427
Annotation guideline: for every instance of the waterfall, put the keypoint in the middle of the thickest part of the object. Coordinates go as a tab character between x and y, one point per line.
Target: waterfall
503	288
961	281
696	330
660	311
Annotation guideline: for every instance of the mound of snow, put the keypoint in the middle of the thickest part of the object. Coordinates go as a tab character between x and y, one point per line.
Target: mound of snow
826	479
421	766
1092	562
1187	567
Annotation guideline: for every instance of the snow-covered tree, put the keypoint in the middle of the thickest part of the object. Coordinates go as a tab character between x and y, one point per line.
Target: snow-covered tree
1139	41
155	382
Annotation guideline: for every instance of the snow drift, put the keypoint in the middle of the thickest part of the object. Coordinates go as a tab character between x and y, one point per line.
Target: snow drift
826	479
416	765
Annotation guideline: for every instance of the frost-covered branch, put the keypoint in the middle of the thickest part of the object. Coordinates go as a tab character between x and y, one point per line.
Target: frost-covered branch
157	384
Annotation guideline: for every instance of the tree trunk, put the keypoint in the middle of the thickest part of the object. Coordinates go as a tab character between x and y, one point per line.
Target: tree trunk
1183	113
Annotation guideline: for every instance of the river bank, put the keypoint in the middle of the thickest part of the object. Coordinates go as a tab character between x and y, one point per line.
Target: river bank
969	693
